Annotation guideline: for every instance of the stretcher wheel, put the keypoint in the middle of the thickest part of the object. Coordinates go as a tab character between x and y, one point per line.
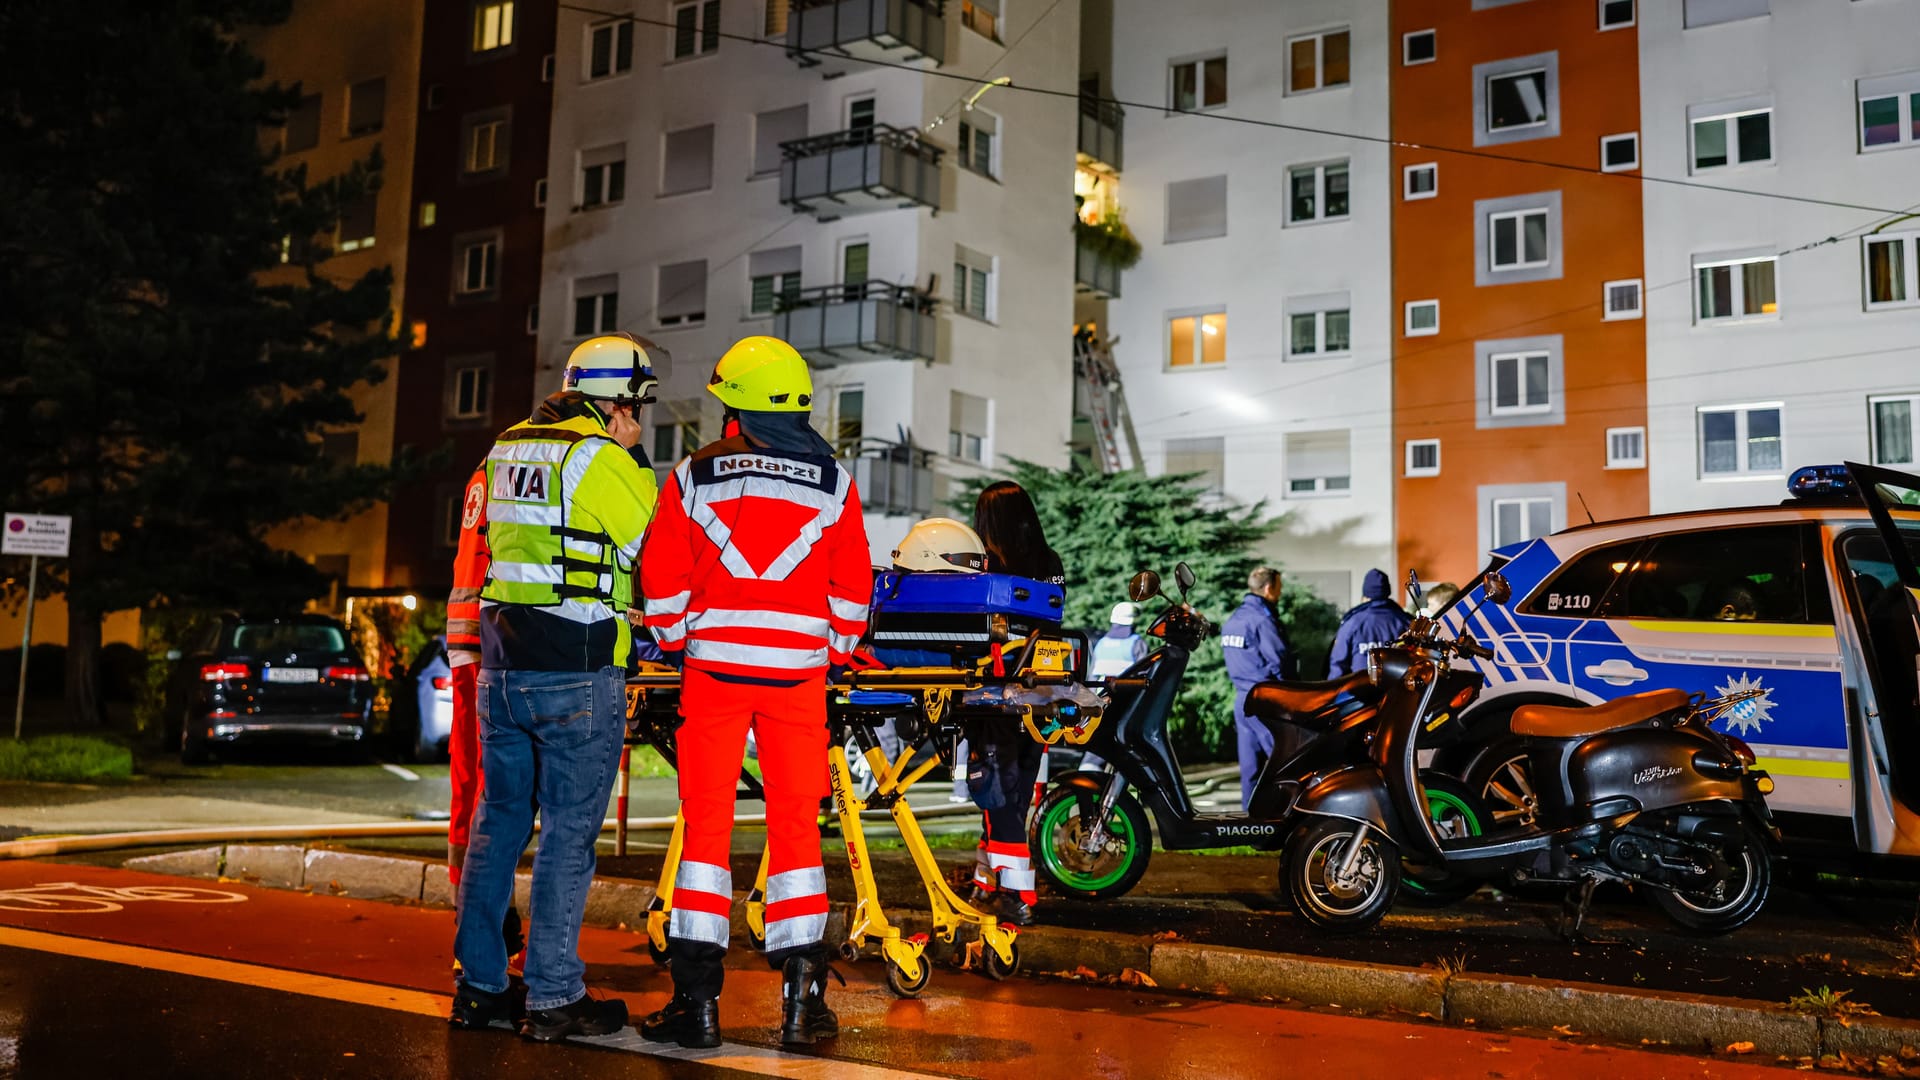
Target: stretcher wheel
849	952
902	986
659	954
997	970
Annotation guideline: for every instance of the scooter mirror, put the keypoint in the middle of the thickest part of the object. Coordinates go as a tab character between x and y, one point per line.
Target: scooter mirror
1497	590
1183	576
1144	586
1414	593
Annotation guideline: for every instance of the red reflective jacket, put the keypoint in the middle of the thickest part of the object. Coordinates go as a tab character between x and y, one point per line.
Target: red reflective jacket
469	575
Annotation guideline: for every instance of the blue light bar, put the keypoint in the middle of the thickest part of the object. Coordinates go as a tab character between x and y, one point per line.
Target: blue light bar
1814	481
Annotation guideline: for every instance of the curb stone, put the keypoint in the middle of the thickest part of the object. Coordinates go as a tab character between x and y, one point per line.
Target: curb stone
1869	1036
1368	987
364	877
195	862
276	866
1685	1020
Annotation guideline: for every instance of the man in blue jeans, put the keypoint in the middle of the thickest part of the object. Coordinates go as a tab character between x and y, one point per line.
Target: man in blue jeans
566	509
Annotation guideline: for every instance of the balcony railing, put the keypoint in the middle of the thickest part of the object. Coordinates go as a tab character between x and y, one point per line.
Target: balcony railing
871	168
846	324
894	478
893	30
1094	270
1102	133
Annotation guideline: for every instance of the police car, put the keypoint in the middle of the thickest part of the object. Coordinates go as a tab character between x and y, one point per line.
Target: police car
1812	602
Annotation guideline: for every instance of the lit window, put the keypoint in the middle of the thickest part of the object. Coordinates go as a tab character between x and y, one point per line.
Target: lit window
1197	340
356	230
1620	153
696	29
1517	240
1420	181
1735	289
1199	84
1418	47
1423	318
1742	138
982	17
1517	100
1423	457
1318	61
609	48
1893	429
1892	269
1317	192
429	213
1740	440
1622	299
492	26
1627	448
1521	384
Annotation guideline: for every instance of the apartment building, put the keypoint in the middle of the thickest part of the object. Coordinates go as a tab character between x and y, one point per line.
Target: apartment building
1254	337
357	64
1519	379
1780	333
704	186
472	273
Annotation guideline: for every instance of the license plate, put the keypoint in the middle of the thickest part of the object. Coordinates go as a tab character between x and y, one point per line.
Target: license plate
293	674
1052	655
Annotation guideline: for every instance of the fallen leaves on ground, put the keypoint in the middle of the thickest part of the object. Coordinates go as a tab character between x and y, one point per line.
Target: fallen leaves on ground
1167	935
1567	1030
1136	977
1742	1047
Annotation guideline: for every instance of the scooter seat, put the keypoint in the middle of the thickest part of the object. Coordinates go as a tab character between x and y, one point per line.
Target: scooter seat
1288	700
1557	722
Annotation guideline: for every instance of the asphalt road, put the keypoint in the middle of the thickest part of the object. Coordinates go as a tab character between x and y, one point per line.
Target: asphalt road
105	972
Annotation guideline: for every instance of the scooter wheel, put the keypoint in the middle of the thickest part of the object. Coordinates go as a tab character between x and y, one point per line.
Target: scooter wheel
1456	812
902	986
1061	820
997	970
1730	904
1314	885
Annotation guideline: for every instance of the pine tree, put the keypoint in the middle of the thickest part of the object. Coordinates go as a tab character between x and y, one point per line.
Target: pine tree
1107	527
164	378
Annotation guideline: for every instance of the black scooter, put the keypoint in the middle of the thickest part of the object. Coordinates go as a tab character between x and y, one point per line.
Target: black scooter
1640	790
1090	835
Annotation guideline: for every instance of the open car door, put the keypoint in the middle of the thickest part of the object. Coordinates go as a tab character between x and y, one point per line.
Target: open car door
1889	616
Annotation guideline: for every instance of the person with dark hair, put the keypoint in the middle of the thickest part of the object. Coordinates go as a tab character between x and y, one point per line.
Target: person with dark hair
1256	649
1002	763
1376	621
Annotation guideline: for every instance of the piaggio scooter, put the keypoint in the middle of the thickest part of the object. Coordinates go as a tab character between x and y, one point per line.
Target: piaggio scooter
1090	834
1642	791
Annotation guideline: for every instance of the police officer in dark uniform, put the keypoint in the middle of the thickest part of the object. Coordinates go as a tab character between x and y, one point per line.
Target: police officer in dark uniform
1377	621
1257	650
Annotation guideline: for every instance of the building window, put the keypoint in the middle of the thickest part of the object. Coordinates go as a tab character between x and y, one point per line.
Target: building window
1205	460
1419	47
1892	269
609	48
1521	383
1700	13
1318	463
533	318
1423	457
472	396
596	305
1892	428
492	26
429	213
1199	84
1319	326
478	265
973	283
682	296
777	12
1620	153
1317	192
1889	111
980	143
488	140
968	427
1627	448
772	128
1517	240
356	229
853	267
861	113
546	68
1420	181
603	176
540	193
1622	299
1743	138
687	164
366	107
1735	289
696	29
982	17
849	418
1423	318
1516	101
303	126
1740	440
1516	521
1318	61
436	96
772	276
1616	14
1196	209
1197	340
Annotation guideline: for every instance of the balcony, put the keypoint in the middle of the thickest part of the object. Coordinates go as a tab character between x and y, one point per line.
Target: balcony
896	31
1102	134
1095	269
894	478
874	168
848	324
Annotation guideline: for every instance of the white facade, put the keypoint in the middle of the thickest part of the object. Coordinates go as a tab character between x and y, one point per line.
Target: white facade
1017	359
1843	377
1310	433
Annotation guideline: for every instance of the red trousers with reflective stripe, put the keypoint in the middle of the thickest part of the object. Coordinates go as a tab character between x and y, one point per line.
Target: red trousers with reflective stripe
463	766
789	724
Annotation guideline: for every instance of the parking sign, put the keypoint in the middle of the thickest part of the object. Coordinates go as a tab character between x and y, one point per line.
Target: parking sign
36	534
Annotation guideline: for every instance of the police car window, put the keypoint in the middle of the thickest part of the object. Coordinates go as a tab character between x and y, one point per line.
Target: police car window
1726	575
1580	586
1873	573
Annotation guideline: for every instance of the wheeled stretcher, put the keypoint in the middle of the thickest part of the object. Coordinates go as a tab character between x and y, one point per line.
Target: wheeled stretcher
1028	683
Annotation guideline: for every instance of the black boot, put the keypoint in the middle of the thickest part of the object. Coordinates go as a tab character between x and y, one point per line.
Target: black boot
804	991
584	1017
691	1022
474	1009
1010	909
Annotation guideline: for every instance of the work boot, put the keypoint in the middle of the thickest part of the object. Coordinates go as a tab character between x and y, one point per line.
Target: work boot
474	1009
584	1017
692	1022
804	991
1010	909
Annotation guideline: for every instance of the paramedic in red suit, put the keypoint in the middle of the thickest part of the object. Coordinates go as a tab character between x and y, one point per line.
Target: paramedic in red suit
756	577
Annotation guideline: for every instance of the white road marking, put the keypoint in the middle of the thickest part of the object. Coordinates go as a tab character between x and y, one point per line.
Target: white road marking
404	774
754	1059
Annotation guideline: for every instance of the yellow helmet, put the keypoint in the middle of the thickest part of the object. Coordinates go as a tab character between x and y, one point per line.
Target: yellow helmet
763	374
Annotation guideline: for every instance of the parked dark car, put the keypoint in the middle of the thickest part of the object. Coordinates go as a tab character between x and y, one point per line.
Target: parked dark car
258	679
420	717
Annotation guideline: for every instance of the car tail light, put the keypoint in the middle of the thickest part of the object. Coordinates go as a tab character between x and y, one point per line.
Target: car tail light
223	671
441	682
1742	751
347	673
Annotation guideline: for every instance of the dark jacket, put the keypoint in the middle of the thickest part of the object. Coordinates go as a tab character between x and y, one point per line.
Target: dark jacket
1255	645
1372	624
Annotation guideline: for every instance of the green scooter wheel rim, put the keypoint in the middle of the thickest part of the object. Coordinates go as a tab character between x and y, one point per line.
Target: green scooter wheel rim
1056	820
1439	802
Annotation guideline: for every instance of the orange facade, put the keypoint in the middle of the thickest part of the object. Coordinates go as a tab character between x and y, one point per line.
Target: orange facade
1526	376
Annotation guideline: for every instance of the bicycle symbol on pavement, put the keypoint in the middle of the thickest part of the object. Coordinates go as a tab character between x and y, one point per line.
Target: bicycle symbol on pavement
73	898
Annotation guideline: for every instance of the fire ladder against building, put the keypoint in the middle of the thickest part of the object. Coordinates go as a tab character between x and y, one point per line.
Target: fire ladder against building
1097	380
